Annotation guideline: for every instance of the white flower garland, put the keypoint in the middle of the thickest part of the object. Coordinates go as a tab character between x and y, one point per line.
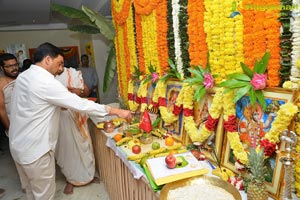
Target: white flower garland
177	40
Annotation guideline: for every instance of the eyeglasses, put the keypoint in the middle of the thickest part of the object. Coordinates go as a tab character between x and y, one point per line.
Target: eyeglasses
12	65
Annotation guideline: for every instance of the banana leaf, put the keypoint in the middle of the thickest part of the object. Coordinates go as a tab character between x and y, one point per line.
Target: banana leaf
106	28
72	13
110	68
239	76
85	29
241	92
247	70
261	66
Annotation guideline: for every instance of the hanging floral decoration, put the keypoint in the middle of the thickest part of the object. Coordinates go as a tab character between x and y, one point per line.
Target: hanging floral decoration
251	82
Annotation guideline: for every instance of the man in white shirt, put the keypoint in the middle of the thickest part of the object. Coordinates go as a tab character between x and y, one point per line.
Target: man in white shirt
35	109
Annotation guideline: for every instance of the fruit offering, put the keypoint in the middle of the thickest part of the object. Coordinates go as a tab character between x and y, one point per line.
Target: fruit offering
136	149
169	141
170	161
155	145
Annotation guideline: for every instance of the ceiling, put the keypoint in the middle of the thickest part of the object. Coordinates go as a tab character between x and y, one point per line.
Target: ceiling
18	14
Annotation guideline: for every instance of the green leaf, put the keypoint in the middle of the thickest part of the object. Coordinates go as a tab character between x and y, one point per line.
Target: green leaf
156	122
261	66
85	29
233	83
110	68
197	72
106	28
252	96
241	92
261	99
239	76
199	93
193	80
207	63
172	65
247	70
72	13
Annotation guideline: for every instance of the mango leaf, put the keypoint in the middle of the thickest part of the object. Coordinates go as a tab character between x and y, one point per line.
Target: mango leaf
252	96
226	90
261	99
233	83
110	68
197	72
200	92
193	80
85	29
172	64
239	76
156	122
72	13
261	67
106	28
241	92
247	70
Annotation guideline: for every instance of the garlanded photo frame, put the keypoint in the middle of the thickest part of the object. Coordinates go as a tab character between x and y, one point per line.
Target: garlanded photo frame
250	133
172	92
215	140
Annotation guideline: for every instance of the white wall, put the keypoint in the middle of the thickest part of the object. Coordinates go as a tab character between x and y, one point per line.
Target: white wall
33	39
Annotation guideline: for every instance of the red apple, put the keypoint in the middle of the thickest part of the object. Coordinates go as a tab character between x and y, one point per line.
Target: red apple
170	161
136	149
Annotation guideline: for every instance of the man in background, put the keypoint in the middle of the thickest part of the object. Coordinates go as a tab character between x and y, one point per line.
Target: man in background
33	132
90	76
74	149
10	69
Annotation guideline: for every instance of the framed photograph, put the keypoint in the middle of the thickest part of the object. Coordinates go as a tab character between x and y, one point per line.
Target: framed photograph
253	123
172	92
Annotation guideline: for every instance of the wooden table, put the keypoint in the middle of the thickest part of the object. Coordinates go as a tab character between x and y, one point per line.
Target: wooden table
118	180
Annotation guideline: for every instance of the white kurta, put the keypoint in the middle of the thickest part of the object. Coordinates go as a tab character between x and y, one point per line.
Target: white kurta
74	150
35	109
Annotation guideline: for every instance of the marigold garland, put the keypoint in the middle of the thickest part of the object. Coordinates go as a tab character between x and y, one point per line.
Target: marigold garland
133	105
143	7
139	41
142	95
120	10
131	41
159	101
197	44
214	113
162	31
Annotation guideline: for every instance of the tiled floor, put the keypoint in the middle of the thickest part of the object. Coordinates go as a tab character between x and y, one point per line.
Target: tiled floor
9	180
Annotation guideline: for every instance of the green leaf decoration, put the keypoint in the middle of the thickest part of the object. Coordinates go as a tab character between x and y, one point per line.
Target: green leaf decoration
252	96
241	92
85	29
109	69
261	99
261	67
193	80
156	122
234	83
198	72
171	63
247	70
199	93
106	28
239	76
72	13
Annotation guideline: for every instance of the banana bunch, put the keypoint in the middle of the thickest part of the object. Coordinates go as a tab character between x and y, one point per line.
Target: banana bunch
223	173
118	121
123	141
159	132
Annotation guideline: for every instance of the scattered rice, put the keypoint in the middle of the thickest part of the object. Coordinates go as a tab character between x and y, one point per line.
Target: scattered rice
199	192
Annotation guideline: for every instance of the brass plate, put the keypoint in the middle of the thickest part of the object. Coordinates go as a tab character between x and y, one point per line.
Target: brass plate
208	180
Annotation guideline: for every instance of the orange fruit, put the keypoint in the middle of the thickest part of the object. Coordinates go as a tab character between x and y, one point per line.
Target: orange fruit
173	151
118	137
169	141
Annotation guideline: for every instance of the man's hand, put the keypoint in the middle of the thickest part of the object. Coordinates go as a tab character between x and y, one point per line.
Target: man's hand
126	114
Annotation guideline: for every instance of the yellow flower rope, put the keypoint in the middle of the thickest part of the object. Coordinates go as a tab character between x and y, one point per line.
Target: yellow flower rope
131	103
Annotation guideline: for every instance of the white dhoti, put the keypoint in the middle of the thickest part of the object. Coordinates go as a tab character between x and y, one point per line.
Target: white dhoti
74	150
